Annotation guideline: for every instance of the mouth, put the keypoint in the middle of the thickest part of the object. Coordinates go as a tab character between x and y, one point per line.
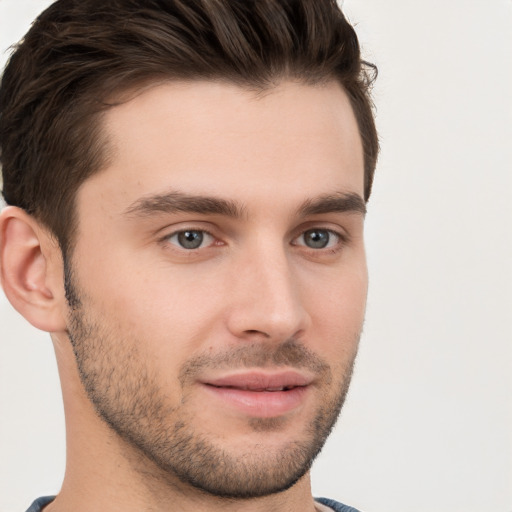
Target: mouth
258	389
261	381
258	394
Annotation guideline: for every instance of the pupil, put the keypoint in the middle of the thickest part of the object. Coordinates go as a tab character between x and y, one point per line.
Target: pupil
316	239
190	239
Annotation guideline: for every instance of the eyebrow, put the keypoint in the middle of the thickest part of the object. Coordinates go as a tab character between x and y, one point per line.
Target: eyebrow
341	202
179	202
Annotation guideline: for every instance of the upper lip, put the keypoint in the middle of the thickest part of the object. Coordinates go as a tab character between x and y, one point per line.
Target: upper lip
261	381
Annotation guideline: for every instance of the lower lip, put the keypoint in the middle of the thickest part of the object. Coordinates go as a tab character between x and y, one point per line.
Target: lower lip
261	404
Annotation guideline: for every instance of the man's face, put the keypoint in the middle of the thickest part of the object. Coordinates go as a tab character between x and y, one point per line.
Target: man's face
219	280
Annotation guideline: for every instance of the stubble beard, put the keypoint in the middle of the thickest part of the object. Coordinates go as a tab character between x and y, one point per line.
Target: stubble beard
127	397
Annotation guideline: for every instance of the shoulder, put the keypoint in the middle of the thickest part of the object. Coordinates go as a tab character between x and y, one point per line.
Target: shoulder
38	505
336	506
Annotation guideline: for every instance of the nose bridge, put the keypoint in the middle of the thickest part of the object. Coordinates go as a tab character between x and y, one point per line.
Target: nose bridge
267	298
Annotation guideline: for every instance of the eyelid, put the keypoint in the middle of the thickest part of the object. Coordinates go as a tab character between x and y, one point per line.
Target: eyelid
332	227
207	240
339	236
166	239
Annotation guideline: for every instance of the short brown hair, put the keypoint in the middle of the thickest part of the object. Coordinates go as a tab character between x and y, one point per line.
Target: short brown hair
81	53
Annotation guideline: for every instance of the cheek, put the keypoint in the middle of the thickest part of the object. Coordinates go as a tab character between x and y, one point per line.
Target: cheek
338	313
164	312
352	299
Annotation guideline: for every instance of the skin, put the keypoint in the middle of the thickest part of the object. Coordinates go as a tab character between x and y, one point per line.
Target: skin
153	321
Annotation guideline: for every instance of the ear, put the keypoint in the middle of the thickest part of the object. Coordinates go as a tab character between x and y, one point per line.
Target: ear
31	270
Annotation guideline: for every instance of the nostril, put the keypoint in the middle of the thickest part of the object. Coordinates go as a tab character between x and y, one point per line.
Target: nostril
255	331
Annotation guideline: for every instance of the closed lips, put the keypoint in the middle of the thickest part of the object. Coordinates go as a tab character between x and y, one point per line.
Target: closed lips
248	388
261	381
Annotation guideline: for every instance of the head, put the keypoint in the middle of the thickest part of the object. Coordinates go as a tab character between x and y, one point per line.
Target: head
203	168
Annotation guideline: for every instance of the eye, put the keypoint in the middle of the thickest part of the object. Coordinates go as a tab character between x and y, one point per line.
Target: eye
191	239
318	239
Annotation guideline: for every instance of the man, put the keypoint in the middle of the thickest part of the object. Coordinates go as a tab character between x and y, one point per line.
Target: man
186	185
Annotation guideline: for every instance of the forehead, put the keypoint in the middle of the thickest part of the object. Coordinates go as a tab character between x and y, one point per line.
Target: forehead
221	139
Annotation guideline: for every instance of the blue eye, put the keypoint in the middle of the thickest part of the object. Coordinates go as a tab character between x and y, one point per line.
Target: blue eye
318	238
191	239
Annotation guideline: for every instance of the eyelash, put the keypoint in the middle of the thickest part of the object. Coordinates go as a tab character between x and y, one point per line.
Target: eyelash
342	239
339	243
168	238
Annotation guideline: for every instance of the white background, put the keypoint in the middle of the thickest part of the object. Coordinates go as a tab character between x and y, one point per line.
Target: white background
428	423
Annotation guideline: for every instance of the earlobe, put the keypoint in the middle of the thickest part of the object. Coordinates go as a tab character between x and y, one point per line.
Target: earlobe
30	279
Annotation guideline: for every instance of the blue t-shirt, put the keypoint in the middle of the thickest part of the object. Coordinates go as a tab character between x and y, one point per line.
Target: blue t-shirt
40	503
337	507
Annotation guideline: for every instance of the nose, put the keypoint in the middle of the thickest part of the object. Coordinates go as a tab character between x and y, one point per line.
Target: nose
266	298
